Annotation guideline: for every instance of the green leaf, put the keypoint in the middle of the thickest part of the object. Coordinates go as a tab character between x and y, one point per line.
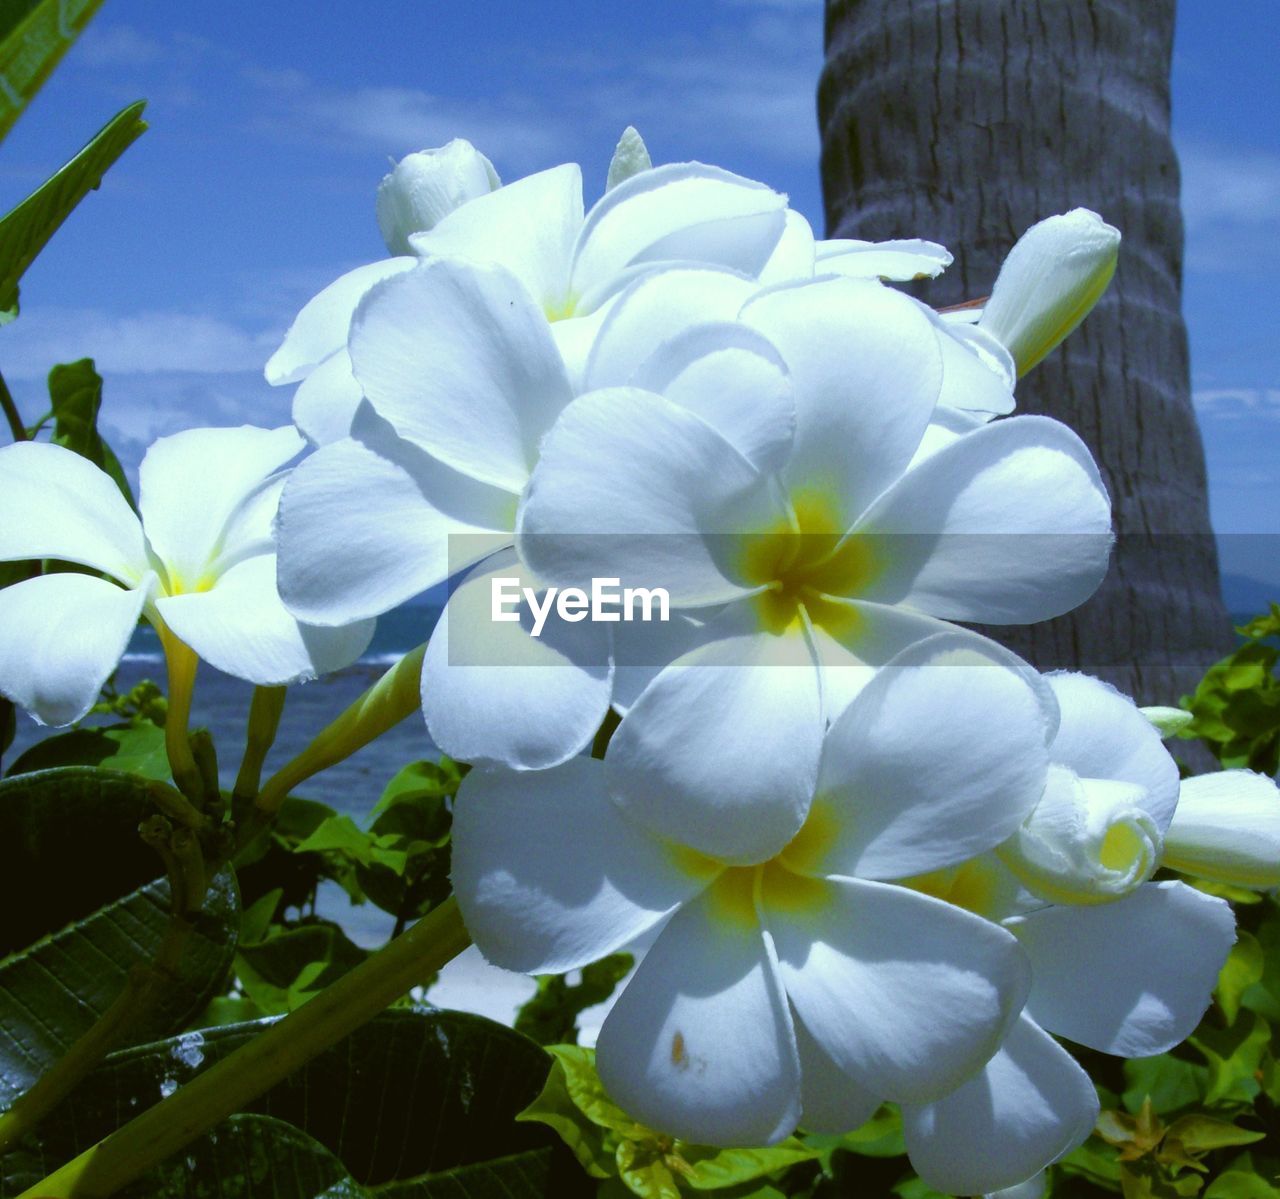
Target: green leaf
75	393
550	1015
881	1136
1170	1082
714	1169
80	912
1241	1181
292	965
1244	967
422	780
414	1105
585	1139
28	227
587	1091
133	748
34	35
1235	1058
1198	1133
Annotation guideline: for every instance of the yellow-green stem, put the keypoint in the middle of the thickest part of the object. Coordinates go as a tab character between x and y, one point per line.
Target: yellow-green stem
264	721
393	697
182	663
238	1079
145	984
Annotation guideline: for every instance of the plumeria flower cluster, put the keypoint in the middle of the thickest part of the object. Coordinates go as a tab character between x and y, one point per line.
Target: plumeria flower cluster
878	856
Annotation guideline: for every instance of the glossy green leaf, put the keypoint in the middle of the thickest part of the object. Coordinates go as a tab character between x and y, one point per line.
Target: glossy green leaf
80	912
1244	967
1170	1082
1198	1133
34	35
28	227
133	748
415	1105
75	394
1235	1057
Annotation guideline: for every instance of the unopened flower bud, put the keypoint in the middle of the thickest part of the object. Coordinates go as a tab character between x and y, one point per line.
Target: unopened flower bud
424	188
630	157
1047	285
1227	829
1168	722
1087	841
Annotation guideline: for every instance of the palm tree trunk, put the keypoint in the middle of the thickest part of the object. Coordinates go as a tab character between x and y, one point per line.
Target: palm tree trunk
966	122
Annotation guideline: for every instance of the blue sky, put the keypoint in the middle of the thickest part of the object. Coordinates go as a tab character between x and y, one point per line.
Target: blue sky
272	124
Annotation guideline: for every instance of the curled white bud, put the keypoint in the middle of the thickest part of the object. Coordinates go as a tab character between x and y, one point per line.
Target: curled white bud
1168	722
423	188
1052	277
630	157
1087	841
1227	828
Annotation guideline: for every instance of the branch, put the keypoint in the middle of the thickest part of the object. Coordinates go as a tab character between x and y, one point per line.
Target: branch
14	417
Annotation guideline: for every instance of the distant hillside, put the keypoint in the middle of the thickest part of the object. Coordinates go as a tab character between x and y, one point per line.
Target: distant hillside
1246	596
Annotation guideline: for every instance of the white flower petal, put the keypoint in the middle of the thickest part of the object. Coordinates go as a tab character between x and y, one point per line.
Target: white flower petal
866	370
57	504
241	627
1227	828
793	256
900	261
720	751
528	226
192	485
939	758
945	426
492	693
906	993
854	639
63	635
643	649
326	400
679	212
633	486
366	524
734	379
832	1101
700	1044
1050	280
1103	735
550	875
1151	961
423	188
1009	524
658	306
456	357
977	372
1030	1105
321	327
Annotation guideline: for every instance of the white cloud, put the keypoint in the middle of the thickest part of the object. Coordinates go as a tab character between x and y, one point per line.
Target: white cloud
141	343
117	46
1237	403
1231	185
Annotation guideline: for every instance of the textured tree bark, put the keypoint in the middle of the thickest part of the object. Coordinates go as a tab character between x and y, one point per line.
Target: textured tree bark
966	121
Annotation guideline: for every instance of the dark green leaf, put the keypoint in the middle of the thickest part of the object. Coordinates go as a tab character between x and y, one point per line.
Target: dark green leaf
26	229
1171	1083
34	35
133	748
412	1106
291	965
75	393
550	1015
80	912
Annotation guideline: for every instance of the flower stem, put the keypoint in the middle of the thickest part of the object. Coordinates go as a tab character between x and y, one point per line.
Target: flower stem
12	415
144	986
393	697
253	1068
182	663
264	721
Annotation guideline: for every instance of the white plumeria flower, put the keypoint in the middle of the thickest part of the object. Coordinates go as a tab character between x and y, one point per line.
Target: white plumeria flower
1227	828
1130	977
1048	283
423	188
199	564
835	546
801	986
571	262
